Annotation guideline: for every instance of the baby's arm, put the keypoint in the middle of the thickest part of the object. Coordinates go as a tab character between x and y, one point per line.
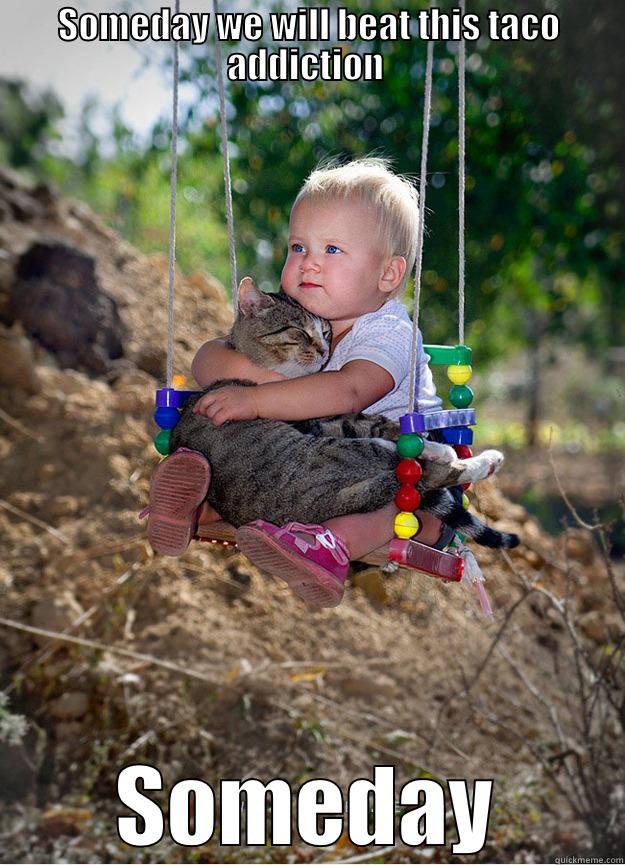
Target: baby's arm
354	387
215	359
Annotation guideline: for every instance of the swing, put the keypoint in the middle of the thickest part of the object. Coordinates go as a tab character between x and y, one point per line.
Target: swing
453	423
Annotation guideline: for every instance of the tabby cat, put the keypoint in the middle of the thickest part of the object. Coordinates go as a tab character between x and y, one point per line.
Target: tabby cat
313	470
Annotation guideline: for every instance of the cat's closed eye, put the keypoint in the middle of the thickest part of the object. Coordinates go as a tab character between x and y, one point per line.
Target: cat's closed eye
291	335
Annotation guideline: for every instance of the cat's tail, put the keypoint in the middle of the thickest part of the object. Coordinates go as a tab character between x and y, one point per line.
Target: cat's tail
444	506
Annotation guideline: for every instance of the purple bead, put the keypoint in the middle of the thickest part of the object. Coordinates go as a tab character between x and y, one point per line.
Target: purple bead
167	397
449	417
412	423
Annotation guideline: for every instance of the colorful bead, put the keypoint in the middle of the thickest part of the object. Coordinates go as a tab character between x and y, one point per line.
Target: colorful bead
161	441
441	355
460	396
408	498
463	452
450	417
465	486
459	374
406	525
166	417
409	445
465	501
458	435
409	472
413	422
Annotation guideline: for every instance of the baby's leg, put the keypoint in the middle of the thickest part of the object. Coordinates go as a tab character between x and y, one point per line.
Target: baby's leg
363	533
177	490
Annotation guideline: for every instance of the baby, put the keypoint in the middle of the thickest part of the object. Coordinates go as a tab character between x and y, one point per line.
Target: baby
351	249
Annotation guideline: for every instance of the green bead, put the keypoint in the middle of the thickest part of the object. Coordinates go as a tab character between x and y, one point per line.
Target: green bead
161	441
444	355
460	395
409	445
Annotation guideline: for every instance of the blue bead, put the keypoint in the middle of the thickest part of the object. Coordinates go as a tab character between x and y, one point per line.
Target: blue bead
166	417
457	435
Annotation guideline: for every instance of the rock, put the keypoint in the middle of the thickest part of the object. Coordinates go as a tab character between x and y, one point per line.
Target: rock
372	584
152	360
119	467
18	369
69	706
591	598
594	626
64	821
579	545
68	731
60	506
6	578
58	299
134	392
18	773
55	613
364	686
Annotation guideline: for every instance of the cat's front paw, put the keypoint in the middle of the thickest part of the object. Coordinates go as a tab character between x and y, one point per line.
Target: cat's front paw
482	466
436	452
493	461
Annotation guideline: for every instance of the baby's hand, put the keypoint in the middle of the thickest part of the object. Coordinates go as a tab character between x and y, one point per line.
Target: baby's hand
228	403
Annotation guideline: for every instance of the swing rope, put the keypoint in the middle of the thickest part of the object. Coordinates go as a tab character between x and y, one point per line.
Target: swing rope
461	177
173	191
427	113
172	215
427	116
234	283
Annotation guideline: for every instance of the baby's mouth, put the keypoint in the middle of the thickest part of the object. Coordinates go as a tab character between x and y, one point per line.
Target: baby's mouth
309	285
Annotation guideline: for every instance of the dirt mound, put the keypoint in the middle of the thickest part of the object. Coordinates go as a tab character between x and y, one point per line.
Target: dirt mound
205	667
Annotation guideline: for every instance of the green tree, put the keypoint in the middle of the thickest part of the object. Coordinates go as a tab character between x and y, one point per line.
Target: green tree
28	123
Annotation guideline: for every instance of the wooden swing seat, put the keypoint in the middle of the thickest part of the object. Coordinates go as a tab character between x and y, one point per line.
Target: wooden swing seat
224	533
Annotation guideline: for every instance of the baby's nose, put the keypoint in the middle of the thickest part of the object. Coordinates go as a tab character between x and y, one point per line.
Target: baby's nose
310	262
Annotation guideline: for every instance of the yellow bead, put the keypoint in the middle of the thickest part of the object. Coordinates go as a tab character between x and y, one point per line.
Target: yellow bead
465	501
406	525
459	374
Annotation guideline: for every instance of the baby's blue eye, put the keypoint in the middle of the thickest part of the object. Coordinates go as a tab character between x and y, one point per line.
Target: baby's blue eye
332	249
297	247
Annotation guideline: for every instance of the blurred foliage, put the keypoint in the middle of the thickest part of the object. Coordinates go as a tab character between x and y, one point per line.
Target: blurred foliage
545	170
27	123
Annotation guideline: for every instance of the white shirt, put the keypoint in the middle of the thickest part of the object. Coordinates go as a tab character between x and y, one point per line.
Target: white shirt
385	337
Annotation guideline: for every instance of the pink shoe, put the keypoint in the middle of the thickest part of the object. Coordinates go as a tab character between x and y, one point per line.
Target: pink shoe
179	486
314	571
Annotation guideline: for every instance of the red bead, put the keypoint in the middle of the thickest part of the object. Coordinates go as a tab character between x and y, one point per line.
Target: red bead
465	486
408	498
463	451
408	472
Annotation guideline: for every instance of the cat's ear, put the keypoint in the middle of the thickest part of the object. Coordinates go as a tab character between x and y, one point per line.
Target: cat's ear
251	299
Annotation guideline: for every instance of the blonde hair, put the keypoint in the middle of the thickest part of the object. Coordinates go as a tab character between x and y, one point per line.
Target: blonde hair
369	180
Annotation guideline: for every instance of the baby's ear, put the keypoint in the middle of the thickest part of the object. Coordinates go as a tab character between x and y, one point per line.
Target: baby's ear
251	299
